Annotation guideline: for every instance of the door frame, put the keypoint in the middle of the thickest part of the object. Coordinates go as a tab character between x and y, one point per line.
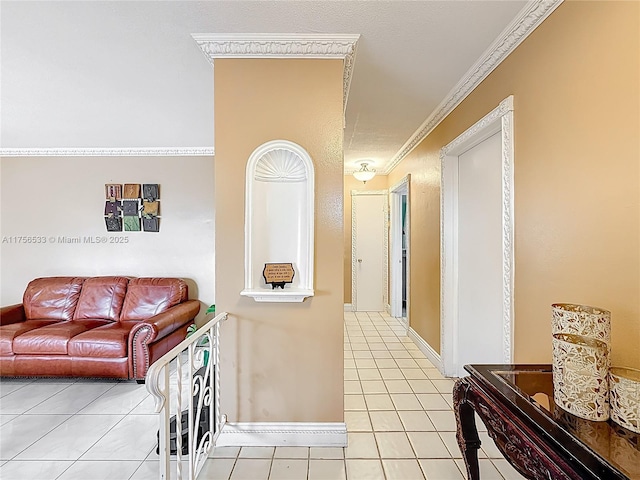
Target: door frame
395	289
499	119
385	260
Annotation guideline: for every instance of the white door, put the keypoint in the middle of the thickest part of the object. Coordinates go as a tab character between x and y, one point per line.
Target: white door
368	252
480	275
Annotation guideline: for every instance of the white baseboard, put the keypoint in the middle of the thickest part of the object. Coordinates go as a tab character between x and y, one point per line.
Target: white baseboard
348	307
387	308
283	434
430	353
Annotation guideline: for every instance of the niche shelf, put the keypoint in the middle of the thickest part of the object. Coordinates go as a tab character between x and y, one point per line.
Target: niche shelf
279	220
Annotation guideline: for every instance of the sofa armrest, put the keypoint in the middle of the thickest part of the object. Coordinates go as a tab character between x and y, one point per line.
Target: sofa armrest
12	314
153	330
168	321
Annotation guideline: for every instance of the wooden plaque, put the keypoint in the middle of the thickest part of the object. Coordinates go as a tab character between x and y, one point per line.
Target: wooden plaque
277	274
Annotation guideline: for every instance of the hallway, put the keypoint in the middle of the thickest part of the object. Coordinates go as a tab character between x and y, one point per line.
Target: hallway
399	416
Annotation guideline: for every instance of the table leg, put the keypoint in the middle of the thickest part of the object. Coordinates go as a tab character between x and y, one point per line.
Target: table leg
467	433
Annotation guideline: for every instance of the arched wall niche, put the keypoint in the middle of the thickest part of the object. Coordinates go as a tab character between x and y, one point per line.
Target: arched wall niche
279	220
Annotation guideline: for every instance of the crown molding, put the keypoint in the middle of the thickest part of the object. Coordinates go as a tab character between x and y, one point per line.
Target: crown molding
109	152
529	18
281	45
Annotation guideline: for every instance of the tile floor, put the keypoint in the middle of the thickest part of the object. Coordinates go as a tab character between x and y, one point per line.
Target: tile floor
397	409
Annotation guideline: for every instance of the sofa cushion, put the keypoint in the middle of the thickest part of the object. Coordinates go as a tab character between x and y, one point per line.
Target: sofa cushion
52	298
9	332
52	339
106	341
147	297
101	297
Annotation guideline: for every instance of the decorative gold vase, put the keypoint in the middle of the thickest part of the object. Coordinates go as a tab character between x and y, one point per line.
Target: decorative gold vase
592	322
624	386
580	376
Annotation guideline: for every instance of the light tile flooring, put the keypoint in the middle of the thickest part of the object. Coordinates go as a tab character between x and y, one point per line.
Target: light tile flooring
397	409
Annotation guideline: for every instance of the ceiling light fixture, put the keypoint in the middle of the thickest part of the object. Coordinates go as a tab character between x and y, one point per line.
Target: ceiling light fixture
364	174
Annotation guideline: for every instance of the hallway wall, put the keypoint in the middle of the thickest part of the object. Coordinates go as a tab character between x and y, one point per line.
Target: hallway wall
576	87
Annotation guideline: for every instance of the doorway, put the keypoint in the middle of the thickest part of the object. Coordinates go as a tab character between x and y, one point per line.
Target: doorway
369	258
477	244
400	252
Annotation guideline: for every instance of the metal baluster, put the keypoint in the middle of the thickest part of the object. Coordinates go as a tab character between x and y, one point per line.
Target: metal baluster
216	392
179	419
193	428
164	440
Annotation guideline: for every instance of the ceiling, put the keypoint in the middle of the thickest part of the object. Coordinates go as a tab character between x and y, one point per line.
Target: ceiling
98	74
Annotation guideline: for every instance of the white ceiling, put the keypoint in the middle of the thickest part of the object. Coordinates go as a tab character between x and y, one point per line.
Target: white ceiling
121	74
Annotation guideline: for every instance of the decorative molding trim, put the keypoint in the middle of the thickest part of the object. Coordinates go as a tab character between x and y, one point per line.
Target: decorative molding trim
444	267
109	152
348	307
395	249
429	352
473	133
282	45
531	16
354	281
385	275
291	434
499	119
508	229
401	183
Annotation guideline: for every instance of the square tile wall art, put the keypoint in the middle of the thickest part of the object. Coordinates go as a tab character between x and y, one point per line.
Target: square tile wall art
132	207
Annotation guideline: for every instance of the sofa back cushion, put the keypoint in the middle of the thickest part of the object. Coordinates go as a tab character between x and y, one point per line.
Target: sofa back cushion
101	298
147	297
52	298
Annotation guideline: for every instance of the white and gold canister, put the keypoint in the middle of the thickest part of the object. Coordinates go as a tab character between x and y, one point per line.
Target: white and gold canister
592	322
580	376
624	385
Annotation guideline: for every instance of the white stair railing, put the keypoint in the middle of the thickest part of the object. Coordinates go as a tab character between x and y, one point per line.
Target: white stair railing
186	372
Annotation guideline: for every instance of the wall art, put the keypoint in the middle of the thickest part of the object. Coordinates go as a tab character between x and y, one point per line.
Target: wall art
132	208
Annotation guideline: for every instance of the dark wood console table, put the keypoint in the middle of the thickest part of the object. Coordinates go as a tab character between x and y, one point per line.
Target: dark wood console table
538	438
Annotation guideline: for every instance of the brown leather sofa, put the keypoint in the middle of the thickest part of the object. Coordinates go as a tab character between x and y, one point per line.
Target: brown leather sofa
112	327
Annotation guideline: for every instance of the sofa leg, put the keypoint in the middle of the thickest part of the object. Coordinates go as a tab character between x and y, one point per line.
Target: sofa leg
140	381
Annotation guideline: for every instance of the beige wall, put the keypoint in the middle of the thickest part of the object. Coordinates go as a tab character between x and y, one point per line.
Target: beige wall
282	361
53	197
576	84
379	182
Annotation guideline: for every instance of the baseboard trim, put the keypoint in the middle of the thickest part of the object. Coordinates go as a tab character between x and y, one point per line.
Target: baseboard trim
429	352
348	307
283	434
